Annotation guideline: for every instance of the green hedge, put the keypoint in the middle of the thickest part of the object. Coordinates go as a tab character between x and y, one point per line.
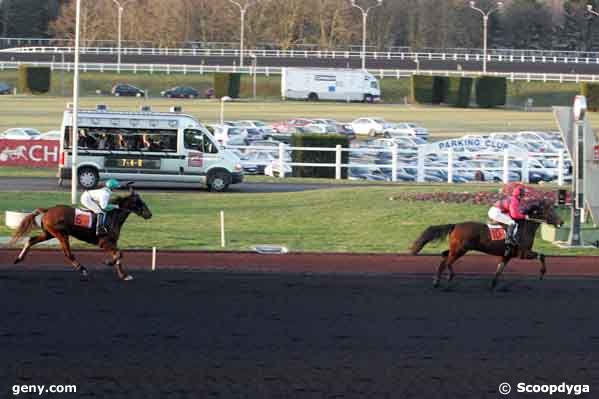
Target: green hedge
458	92
591	92
318	140
35	80
422	89
440	88
227	84
491	92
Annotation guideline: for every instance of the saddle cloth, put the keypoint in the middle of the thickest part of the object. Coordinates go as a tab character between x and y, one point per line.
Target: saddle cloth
84	218
497	232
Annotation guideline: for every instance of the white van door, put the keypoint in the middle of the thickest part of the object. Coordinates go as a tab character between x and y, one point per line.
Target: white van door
200	153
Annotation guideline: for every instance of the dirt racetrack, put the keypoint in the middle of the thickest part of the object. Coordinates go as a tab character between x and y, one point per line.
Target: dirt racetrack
295	326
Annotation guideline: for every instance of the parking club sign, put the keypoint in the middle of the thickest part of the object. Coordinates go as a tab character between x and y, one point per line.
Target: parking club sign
472	144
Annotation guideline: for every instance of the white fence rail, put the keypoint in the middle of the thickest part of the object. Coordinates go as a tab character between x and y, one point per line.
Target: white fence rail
512	56
496	166
267	71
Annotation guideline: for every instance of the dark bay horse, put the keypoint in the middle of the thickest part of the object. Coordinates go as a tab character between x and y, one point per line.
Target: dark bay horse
59	222
473	236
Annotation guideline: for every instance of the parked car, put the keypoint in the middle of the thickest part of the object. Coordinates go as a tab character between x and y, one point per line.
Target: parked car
123	89
285	127
229	135
369	126
51	135
180	92
274	170
5	88
405	129
21	133
209	93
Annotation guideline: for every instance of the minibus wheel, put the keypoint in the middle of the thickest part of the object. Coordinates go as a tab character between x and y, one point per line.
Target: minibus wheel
219	181
88	178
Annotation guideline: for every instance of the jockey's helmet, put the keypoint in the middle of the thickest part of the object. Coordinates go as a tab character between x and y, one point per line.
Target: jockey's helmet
112	184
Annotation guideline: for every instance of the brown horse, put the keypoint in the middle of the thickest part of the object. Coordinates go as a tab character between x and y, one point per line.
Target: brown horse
473	236
59	222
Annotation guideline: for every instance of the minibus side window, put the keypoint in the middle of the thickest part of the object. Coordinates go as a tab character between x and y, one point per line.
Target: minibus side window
195	140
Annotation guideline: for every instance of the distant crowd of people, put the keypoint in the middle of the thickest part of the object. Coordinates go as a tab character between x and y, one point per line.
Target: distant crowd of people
125	141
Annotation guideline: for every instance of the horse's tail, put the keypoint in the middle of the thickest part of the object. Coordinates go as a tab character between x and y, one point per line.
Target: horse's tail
26	225
432	233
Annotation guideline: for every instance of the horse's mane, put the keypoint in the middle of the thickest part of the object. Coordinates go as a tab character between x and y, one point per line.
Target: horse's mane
118	200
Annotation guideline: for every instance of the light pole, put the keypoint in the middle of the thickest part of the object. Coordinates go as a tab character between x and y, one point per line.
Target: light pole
254	66
75	124
242	10
364	16
222	109
121	5
485	26
579	110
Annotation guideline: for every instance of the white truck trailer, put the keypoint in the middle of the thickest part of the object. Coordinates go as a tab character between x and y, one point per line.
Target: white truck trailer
329	84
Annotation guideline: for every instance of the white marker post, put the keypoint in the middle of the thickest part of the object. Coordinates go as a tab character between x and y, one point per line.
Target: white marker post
153	258
222	229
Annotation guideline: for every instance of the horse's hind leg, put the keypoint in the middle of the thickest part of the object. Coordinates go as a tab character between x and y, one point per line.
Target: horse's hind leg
66	248
45	236
440	269
451	259
500	268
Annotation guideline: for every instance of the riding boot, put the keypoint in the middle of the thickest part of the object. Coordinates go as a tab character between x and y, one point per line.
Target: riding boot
100	225
509	240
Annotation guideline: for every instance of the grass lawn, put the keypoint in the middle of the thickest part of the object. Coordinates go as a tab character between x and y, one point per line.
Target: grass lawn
45	113
357	219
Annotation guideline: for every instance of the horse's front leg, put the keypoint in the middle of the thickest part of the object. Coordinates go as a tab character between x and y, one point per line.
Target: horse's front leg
117	256
536	255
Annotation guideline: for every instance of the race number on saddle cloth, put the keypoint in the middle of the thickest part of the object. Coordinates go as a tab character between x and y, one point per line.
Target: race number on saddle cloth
83	218
497	232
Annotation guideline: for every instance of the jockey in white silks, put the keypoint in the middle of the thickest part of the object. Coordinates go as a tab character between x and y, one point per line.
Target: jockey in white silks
98	201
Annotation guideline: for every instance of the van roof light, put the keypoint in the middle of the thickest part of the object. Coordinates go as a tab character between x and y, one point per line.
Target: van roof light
70	106
176	108
146	108
101	107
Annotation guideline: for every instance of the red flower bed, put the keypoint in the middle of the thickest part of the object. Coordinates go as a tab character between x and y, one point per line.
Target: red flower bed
482	197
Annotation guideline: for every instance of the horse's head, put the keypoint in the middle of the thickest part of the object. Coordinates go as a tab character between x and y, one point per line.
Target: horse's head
133	203
545	210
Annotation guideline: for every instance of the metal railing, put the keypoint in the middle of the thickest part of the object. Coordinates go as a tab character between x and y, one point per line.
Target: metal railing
14	42
420	162
267	71
497	55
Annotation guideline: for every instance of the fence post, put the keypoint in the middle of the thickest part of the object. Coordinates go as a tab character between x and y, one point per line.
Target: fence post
450	165
394	162
338	162
506	166
525	176
560	168
281	160
420	175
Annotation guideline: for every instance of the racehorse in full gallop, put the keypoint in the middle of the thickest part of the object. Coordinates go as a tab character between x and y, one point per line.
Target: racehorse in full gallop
473	236
60	222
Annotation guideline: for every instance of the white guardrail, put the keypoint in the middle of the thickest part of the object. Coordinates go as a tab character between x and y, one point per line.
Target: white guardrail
420	159
267	71
518	56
